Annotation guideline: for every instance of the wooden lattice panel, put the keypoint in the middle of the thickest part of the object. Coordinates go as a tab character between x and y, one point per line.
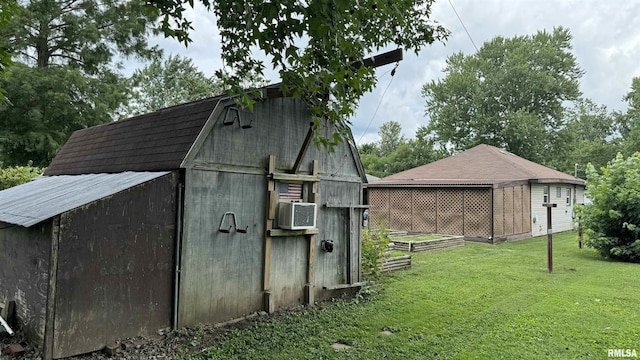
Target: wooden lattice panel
526	208
400	209
508	211
450	211
498	212
477	213
517	210
379	208
424	210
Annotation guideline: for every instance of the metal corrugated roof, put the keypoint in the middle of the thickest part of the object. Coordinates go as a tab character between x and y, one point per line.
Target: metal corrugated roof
48	196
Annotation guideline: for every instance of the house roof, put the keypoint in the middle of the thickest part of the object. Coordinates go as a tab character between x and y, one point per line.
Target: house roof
151	142
482	165
48	196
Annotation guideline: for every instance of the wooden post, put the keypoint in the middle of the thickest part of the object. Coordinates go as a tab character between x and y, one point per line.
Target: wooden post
579	235
313	198
269	305
549	237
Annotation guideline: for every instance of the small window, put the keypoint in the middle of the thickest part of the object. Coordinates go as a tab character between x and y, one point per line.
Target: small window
545	197
558	192
568	196
290	191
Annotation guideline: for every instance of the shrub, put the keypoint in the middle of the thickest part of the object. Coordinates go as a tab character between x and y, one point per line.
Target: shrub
612	220
16	175
374	244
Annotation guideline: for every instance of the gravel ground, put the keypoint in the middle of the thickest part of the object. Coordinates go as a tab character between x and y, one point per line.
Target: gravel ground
163	345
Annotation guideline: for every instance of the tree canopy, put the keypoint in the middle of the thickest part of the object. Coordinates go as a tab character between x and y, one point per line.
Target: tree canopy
510	94
163	83
66	76
393	153
315	45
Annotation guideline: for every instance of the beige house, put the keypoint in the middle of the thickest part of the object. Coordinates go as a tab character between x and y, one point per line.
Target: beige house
484	193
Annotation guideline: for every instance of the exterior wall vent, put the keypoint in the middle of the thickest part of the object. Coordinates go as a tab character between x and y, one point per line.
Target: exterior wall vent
297	215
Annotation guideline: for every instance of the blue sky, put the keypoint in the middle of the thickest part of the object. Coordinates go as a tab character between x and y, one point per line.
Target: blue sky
606	43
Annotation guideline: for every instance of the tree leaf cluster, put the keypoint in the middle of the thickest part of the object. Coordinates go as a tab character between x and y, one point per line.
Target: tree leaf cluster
313	44
612	219
392	153
66	76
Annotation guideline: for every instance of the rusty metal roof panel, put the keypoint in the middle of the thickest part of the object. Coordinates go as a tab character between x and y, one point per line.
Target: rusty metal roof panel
48	196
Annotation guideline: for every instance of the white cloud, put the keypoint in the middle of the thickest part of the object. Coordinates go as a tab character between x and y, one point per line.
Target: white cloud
606	43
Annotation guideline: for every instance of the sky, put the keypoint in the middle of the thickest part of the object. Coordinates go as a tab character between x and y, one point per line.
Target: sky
606	44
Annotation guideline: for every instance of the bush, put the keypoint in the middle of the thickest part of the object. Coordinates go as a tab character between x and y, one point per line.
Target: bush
374	244
16	175
612	220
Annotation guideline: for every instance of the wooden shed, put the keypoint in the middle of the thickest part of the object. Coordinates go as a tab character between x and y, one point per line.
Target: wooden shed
484	193
198	213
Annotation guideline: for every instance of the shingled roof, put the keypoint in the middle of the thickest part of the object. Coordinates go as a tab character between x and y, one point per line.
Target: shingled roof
157	141
482	165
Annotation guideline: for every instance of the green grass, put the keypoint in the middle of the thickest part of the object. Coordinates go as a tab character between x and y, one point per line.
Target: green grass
421	237
476	302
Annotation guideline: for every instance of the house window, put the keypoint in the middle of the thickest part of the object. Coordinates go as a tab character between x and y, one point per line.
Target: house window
558	192
290	191
545	197
568	196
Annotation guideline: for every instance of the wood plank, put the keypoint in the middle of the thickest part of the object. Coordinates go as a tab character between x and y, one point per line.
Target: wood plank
309	287
284	232
303	150
51	296
381	59
294	177
345	286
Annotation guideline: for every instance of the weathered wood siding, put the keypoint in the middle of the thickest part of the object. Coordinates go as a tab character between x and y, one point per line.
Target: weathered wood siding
222	273
24	274
115	268
511	212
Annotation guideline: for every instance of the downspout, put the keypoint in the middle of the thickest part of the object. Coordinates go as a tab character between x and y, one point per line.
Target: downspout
178	255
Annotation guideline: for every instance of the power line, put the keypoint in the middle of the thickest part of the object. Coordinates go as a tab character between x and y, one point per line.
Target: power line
393	72
463	26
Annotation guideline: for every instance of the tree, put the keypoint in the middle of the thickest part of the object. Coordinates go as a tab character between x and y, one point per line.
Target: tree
509	94
315	45
629	123
68	79
403	154
170	82
590	136
7	9
390	137
612	220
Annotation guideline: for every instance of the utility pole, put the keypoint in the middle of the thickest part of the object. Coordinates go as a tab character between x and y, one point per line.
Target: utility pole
549	237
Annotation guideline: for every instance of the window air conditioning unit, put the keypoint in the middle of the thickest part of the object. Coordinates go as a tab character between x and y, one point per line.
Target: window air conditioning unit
297	215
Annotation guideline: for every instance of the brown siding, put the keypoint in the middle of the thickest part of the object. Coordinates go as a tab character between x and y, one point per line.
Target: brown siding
508	211
526	209
24	274
518	210
115	268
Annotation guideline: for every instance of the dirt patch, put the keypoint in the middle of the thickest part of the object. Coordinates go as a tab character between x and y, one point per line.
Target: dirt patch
162	345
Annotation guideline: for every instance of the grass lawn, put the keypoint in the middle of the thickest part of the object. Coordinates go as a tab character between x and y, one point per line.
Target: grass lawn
476	302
